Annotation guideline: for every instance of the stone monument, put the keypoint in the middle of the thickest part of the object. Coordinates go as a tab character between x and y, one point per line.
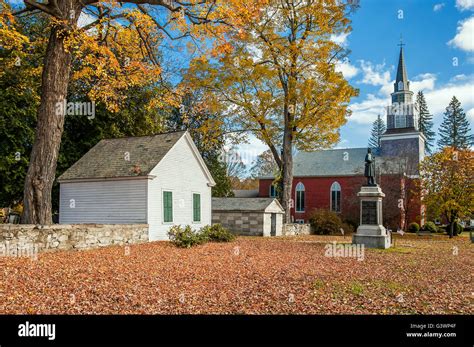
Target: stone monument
371	233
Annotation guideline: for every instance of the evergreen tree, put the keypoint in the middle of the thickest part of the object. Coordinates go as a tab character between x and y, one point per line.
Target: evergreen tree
455	131
378	128
425	121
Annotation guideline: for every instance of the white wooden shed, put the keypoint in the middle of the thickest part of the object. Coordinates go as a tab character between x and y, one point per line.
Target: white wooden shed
158	180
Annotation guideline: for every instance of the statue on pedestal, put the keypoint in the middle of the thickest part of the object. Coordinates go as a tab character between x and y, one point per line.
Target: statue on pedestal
370	168
371	233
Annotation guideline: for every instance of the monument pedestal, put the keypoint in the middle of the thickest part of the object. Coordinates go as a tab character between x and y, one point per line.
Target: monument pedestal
371	233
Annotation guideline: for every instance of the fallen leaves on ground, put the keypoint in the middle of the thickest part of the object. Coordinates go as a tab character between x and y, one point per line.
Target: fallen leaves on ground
247	276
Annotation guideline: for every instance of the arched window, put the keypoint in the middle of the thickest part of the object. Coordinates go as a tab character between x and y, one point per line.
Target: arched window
300	197
336	197
400	85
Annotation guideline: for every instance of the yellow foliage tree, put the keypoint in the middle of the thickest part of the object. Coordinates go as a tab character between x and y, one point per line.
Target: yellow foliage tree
447	184
110	46
274	74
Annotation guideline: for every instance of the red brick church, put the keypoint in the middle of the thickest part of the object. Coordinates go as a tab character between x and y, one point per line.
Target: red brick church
331	179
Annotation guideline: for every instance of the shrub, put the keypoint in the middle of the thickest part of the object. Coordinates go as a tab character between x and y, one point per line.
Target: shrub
349	228
431	227
216	233
414	227
458	229
185	237
325	222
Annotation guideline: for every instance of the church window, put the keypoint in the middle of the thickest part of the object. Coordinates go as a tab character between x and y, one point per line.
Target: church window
300	198
400	121
336	197
400	85
273	191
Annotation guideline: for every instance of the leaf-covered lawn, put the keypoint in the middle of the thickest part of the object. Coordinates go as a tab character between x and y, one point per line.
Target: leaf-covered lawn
249	275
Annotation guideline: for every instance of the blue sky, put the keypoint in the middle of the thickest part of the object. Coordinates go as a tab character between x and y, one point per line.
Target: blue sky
436	34
439	53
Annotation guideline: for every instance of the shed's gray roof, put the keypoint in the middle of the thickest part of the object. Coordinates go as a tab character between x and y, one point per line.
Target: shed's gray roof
107	159
241	204
331	163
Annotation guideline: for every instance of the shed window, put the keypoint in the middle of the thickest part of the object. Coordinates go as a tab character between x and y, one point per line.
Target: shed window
300	197
336	197
168	207
196	207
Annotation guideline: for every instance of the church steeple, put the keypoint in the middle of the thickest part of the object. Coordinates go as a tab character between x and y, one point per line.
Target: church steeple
401	92
402	114
402	138
401	82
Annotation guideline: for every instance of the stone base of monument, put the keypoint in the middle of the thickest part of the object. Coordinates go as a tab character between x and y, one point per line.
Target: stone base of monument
371	233
364	237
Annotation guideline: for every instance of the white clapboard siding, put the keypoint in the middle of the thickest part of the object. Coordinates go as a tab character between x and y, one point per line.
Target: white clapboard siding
180	172
103	202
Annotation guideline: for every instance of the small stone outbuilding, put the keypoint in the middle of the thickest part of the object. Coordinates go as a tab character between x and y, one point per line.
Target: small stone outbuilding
249	216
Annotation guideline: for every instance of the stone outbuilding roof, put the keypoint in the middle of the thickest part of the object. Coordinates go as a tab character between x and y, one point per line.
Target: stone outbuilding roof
108	158
244	204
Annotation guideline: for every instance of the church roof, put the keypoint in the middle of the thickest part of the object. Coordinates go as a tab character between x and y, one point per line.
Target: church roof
339	162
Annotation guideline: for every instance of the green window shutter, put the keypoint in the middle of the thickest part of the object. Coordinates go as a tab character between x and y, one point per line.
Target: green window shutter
167	207
196	207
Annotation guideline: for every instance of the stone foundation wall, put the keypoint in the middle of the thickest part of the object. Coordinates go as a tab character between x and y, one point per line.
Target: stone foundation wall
296	229
38	238
241	222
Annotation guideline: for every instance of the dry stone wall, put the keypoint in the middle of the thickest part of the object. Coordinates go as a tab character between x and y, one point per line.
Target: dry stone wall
296	229
23	239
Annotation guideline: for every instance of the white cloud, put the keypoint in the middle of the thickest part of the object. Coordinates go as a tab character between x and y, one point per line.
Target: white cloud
366	111
347	69
375	75
460	77
470	114
439	98
249	152
464	38
465	4
423	82
340	39
438	7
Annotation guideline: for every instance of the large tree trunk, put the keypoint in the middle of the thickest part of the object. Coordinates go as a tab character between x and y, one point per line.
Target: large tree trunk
287	174
42	168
